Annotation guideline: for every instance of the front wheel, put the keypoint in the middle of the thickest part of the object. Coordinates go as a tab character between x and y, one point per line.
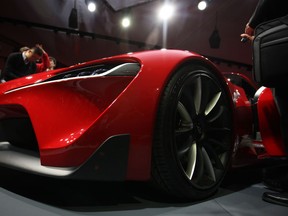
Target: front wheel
193	137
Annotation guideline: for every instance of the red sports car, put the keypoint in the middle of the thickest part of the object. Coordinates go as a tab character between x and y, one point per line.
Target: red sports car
165	115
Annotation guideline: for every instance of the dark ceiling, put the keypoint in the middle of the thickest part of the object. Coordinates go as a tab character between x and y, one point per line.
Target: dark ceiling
99	34
117	5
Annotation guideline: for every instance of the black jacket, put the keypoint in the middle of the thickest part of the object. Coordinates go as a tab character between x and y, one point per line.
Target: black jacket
267	10
15	67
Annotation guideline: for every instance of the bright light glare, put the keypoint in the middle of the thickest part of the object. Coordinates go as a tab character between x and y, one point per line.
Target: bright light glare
126	22
166	12
91	6
202	5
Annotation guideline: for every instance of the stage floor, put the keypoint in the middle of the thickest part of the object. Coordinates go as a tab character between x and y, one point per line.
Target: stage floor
25	194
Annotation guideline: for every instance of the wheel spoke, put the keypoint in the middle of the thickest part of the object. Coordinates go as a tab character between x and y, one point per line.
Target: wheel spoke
198	95
219	130
192	158
206	91
216	132
185	116
218	143
218	161
206	95
188	101
184	147
184	128
216	115
212	103
208	165
183	131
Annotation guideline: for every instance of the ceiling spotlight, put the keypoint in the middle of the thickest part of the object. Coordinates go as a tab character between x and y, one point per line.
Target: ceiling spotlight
126	22
166	12
202	5
91	5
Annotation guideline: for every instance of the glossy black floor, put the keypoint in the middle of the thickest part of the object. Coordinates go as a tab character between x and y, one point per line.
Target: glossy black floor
26	194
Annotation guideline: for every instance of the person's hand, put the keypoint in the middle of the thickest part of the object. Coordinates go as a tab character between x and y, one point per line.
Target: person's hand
41	47
249	30
249	37
249	33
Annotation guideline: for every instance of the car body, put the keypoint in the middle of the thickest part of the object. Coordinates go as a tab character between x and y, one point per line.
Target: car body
166	115
259	104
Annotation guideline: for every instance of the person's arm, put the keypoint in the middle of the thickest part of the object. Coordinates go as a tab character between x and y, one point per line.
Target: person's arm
260	13
258	16
45	63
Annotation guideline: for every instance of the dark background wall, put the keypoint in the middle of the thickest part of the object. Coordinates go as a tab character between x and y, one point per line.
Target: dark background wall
189	29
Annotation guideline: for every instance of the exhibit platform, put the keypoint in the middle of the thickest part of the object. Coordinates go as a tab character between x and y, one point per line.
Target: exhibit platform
26	194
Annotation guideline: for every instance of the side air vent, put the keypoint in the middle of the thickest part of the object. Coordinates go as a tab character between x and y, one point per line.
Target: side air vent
125	69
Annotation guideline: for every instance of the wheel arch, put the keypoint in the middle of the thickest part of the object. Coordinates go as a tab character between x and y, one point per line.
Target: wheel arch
204	62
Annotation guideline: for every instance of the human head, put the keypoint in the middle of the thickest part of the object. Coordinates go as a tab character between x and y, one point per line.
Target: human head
34	54
52	61
23	49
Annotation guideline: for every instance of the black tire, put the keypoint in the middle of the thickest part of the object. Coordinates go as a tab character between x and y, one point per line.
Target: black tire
193	137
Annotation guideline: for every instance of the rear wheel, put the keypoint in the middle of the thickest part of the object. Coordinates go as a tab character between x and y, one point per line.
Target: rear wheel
193	138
